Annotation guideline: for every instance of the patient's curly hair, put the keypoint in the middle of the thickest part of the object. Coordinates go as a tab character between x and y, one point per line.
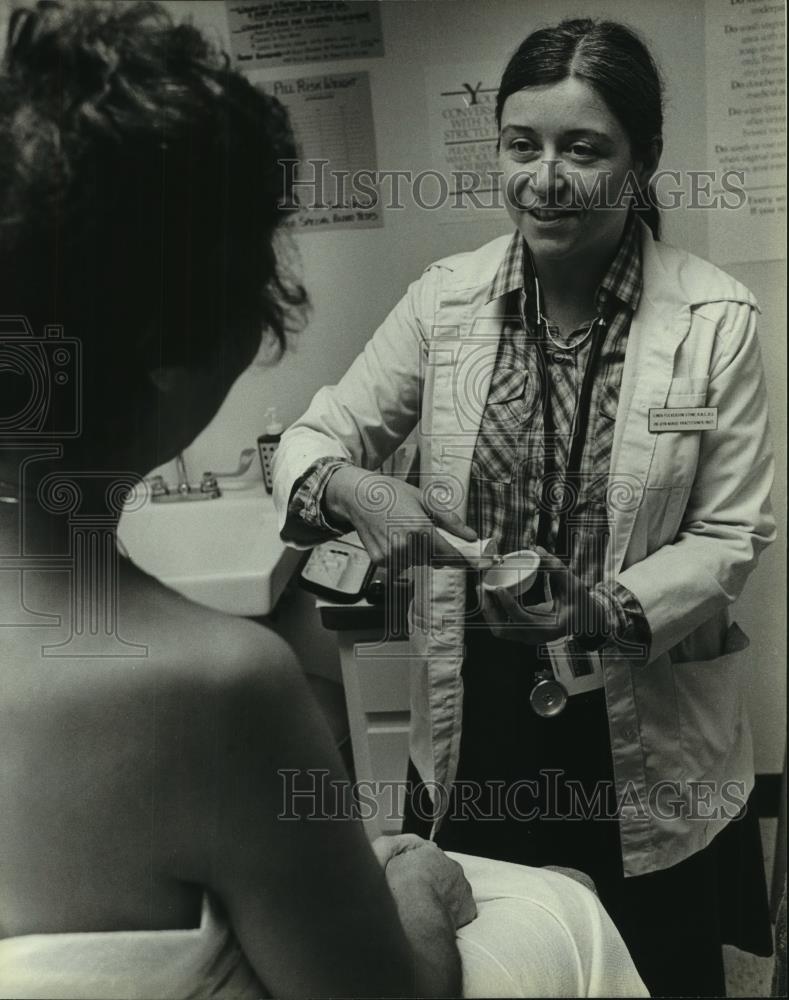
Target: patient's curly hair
140	188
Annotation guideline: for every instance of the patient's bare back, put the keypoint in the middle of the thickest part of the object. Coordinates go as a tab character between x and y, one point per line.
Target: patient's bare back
106	759
131	786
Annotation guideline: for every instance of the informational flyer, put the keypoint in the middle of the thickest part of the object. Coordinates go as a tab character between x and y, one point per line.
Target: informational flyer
332	119
461	103
746	132
288	32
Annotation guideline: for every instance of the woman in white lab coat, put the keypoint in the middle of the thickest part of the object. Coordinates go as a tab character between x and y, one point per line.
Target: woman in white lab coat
587	391
142	735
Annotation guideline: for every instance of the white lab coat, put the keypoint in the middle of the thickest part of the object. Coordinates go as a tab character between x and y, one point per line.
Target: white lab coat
690	514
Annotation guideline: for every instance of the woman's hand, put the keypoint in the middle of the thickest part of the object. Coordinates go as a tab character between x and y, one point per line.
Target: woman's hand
392	519
573	611
413	865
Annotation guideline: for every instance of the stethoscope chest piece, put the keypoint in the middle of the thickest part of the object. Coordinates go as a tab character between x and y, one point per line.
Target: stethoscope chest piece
548	697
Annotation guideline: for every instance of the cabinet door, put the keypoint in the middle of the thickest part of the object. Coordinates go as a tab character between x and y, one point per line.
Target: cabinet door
375	677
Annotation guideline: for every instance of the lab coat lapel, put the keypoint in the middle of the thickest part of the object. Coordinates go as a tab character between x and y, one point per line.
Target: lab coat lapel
463	354
659	326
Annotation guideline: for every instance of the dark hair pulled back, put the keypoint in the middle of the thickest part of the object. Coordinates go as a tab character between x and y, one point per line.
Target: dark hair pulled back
613	60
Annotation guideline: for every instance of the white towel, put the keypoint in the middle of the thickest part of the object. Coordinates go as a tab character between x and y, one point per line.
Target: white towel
130	965
540	934
537	934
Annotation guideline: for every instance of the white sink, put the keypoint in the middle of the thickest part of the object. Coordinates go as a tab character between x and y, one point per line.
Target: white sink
224	553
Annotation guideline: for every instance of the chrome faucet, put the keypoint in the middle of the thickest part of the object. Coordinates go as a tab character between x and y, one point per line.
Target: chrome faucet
184	490
210	479
208	488
244	462
183	479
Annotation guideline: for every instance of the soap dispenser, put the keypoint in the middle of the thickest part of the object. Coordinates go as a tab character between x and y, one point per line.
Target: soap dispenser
267	446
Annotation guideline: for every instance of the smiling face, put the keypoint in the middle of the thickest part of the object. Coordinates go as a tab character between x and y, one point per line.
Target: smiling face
565	159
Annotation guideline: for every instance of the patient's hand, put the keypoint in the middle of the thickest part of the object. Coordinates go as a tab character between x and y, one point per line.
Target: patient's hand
413	864
386	848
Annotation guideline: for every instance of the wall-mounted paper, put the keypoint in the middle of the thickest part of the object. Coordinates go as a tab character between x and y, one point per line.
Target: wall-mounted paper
461	105
287	32
332	120
746	131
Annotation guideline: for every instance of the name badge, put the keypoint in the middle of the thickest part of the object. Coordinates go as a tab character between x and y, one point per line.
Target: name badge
683	418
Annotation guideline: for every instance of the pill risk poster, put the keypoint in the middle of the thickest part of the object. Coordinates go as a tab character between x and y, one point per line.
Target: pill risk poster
267	33
332	118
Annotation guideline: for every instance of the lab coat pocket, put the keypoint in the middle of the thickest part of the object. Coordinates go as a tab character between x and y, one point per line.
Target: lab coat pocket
676	453
710	699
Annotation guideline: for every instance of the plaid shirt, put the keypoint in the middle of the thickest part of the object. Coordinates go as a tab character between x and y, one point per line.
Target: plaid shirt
520	484
519	474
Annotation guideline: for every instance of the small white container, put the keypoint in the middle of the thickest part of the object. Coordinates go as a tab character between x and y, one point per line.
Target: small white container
478	554
514	572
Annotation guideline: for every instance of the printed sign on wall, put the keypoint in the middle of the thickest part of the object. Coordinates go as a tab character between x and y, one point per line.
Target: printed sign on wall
746	108
461	103
332	119
286	32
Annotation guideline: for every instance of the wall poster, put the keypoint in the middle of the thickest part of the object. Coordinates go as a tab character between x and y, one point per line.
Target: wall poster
746	131
332	119
286	32
461	104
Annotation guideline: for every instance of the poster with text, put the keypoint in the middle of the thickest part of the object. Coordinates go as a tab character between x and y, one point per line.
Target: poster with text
746	131
461	105
332	118
288	32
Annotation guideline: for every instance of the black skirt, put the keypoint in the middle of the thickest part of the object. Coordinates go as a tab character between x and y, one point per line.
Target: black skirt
540	791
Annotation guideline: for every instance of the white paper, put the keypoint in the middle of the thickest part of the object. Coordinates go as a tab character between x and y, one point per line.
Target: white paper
746	131
332	119
461	105
287	32
475	553
568	664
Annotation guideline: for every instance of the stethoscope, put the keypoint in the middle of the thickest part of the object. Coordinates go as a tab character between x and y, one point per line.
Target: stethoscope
549	697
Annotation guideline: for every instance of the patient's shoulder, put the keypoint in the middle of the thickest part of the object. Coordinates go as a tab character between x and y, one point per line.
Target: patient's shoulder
198	649
158	710
207	670
126	756
219	650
